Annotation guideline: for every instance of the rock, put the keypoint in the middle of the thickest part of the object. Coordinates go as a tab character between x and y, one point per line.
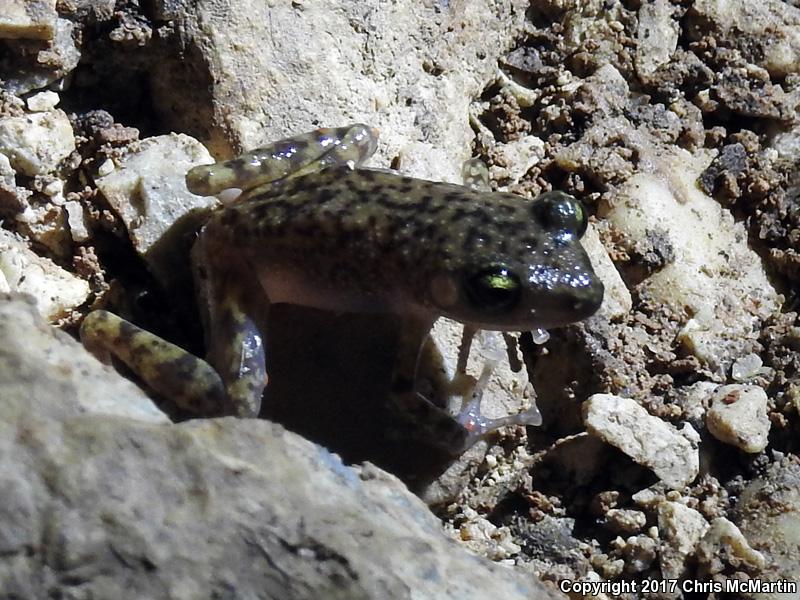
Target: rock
486	538
29	19
657	36
748	367
148	191
410	68
42	102
56	292
723	544
625	521
148	188
35	144
640	552
130	507
767	33
518	156
76	219
648	440
56	58
712	272
44	373
617	300
680	529
768	516
738	416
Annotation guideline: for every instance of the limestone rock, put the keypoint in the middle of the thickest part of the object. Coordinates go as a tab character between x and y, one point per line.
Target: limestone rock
713	272
738	416
28	19
648	440
56	291
148	191
96	505
408	68
35	144
45	373
680	528
752	27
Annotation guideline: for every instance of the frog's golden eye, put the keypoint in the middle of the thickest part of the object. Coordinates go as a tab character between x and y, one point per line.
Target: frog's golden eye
557	211
495	289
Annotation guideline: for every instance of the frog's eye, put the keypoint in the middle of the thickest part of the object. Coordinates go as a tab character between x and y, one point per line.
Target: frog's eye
495	289
557	211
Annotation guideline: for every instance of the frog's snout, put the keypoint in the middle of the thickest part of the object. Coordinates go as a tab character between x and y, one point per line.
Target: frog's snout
586	303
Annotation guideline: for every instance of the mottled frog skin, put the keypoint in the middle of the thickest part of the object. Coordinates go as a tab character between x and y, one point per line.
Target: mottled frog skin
313	229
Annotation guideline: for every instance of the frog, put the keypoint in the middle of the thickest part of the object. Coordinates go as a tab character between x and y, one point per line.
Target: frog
313	226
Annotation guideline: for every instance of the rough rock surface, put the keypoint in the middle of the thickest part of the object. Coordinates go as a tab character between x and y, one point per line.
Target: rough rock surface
147	189
768	515
681	528
45	372
55	290
648	440
738	416
35	144
675	122
31	19
80	520
406	68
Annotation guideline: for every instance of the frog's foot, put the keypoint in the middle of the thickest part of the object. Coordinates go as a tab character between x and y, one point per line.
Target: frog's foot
457	432
475	424
174	374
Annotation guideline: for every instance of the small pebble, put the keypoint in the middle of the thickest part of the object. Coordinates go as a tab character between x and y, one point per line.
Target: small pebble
738	416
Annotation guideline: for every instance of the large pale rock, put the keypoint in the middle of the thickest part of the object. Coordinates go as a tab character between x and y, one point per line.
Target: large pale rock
44	372
714	275
272	69
648	440
55	290
93	504
36	143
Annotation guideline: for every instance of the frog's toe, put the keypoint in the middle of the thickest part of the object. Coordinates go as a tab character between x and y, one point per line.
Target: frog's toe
476	425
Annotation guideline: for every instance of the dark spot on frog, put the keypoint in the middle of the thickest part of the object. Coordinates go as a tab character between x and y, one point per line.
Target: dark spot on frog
325	195
239	166
366	175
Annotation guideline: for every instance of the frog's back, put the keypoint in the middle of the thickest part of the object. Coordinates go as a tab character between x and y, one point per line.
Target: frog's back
381	214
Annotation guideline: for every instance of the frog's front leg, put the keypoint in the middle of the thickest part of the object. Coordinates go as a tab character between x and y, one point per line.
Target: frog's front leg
414	391
232	379
232	305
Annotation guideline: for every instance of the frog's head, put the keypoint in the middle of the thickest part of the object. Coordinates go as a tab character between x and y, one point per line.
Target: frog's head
544	278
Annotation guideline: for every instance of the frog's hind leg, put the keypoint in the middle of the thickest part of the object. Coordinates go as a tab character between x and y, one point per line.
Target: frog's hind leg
170	371
232	378
291	157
